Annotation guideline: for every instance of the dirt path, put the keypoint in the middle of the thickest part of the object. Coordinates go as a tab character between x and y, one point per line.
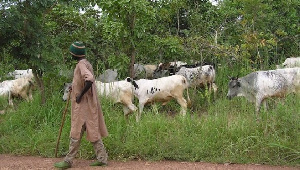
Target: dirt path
8	162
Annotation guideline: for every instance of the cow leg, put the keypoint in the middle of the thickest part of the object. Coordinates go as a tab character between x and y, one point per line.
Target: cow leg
10	101
265	104
258	106
139	113
183	105
129	109
154	108
126	111
30	94
215	89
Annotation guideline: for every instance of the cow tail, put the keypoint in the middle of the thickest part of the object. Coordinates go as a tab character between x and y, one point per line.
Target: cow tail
189	103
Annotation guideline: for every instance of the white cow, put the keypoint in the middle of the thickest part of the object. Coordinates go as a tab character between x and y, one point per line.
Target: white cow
5	92
290	63
21	87
149	69
200	76
292	75
161	90
261	85
118	92
21	73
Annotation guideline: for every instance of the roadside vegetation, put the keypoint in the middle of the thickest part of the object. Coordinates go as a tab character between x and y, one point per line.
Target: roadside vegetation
214	130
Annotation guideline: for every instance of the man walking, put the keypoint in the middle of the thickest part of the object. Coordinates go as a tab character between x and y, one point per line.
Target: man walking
86	112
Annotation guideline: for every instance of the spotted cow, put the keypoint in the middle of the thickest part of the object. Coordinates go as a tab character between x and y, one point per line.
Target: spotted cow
258	86
161	90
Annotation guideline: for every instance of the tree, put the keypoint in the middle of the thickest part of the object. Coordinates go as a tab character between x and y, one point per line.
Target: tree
127	21
22	28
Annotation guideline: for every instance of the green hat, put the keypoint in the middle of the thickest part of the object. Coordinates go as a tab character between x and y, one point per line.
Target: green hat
77	49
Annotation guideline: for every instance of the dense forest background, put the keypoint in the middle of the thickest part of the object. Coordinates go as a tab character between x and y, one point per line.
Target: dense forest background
252	34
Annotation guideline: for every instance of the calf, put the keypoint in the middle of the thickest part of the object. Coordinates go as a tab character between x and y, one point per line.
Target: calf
200	76
21	87
261	85
161	90
118	91
290	63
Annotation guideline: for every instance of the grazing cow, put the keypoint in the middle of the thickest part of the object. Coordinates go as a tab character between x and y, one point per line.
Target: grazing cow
108	76
21	73
118	92
200	76
161	90
149	68
168	68
290	63
139	71
144	71
261	85
21	87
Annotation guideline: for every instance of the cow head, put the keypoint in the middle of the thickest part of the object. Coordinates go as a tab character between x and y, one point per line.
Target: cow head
234	87
67	88
128	79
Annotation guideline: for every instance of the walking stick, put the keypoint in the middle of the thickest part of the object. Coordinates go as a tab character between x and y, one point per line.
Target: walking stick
62	123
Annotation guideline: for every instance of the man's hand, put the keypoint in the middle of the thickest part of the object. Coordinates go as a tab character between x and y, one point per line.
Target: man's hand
70	88
88	85
78	99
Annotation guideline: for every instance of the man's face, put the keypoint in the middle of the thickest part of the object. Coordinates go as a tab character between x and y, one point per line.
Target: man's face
74	58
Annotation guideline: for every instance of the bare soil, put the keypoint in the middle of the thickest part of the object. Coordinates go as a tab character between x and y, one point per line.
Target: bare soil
8	162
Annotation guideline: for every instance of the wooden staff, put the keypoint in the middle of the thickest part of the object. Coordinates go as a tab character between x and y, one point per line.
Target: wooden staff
62	123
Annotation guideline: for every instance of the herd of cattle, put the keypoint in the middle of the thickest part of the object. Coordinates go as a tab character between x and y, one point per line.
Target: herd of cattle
166	81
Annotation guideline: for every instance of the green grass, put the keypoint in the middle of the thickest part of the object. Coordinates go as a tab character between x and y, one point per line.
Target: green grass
214	130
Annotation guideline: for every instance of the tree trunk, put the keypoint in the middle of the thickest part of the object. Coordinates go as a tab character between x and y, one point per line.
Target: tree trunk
132	48
132	60
178	24
40	84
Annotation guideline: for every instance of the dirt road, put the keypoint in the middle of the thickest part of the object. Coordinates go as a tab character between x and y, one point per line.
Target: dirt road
10	162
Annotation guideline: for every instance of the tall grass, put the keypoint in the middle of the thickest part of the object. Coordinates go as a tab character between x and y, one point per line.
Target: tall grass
215	130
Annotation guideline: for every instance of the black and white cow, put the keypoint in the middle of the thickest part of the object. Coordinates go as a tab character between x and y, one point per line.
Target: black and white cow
167	68
162	90
201	76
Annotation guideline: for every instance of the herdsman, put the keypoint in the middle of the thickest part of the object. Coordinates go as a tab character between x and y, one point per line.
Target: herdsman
86	112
